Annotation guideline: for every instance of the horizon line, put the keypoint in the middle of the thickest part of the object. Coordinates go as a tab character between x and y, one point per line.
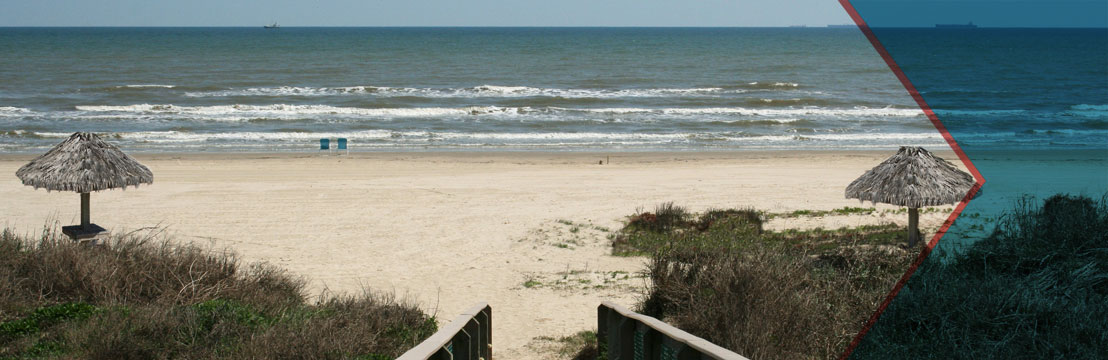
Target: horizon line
540	26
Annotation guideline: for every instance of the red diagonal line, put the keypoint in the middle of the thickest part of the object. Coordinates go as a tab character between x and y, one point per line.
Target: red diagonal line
980	180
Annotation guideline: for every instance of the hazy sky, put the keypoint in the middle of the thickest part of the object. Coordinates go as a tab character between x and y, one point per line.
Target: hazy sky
1000	13
422	12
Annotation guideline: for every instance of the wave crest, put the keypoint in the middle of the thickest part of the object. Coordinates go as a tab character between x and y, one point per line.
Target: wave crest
239	111
469	92
14	111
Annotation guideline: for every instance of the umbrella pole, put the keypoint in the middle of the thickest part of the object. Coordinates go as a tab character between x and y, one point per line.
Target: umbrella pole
84	210
913	226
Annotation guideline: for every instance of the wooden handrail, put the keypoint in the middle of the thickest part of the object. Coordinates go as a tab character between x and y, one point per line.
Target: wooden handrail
625	334
467	337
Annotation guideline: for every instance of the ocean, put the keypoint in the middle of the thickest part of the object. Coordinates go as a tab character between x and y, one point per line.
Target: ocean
1028	107
401	89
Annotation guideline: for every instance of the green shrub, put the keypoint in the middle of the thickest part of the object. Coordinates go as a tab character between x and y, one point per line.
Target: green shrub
765	294
766	303
666	217
150	298
645	233
735	229
46	316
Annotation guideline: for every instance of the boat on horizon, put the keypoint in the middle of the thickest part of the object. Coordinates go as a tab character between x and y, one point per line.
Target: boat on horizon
968	25
272	26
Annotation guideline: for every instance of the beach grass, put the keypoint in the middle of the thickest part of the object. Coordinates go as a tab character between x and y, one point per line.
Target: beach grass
1035	286
149	297
763	294
577	346
671	226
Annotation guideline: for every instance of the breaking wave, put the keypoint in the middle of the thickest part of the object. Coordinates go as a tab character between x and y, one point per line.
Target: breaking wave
239	111
482	91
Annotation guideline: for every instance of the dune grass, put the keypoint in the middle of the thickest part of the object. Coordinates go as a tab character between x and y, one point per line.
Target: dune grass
577	346
763	294
1036	287
672	227
144	297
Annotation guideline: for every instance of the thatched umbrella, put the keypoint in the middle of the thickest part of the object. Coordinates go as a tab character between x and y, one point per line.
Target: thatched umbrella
84	163
914	178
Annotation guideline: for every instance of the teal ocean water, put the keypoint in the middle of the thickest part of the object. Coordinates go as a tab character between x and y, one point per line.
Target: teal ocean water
234	89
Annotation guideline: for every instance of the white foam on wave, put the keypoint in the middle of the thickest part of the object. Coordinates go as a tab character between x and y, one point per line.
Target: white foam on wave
414	137
47	134
563	136
1102	107
289	91
17	133
985	112
141	86
875	136
475	92
1083	110
293	112
775	84
1086	110
523	91
14	111
504	89
771	112
220	112
178	136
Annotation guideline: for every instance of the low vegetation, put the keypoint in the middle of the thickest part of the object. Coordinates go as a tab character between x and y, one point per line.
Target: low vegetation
140	297
1037	286
840	211
672	227
849	210
578	346
763	294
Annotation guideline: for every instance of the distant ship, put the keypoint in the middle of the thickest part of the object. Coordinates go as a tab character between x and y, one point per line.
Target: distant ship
968	25
273	26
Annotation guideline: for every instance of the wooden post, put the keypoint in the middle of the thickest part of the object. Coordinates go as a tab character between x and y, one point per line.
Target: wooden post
913	227
84	210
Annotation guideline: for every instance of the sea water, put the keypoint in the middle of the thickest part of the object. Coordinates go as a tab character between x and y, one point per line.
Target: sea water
562	89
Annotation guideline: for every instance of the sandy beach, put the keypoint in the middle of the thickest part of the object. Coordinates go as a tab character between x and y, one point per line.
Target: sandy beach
446	230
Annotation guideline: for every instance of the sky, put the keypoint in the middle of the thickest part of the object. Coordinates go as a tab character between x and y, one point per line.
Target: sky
422	12
986	13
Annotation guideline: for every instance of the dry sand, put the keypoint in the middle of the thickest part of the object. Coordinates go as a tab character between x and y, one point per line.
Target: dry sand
447	230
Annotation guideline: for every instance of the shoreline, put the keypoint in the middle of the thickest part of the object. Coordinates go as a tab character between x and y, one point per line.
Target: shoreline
945	153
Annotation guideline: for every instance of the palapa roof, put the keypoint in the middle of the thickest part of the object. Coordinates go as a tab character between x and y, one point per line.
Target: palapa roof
84	163
913	178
